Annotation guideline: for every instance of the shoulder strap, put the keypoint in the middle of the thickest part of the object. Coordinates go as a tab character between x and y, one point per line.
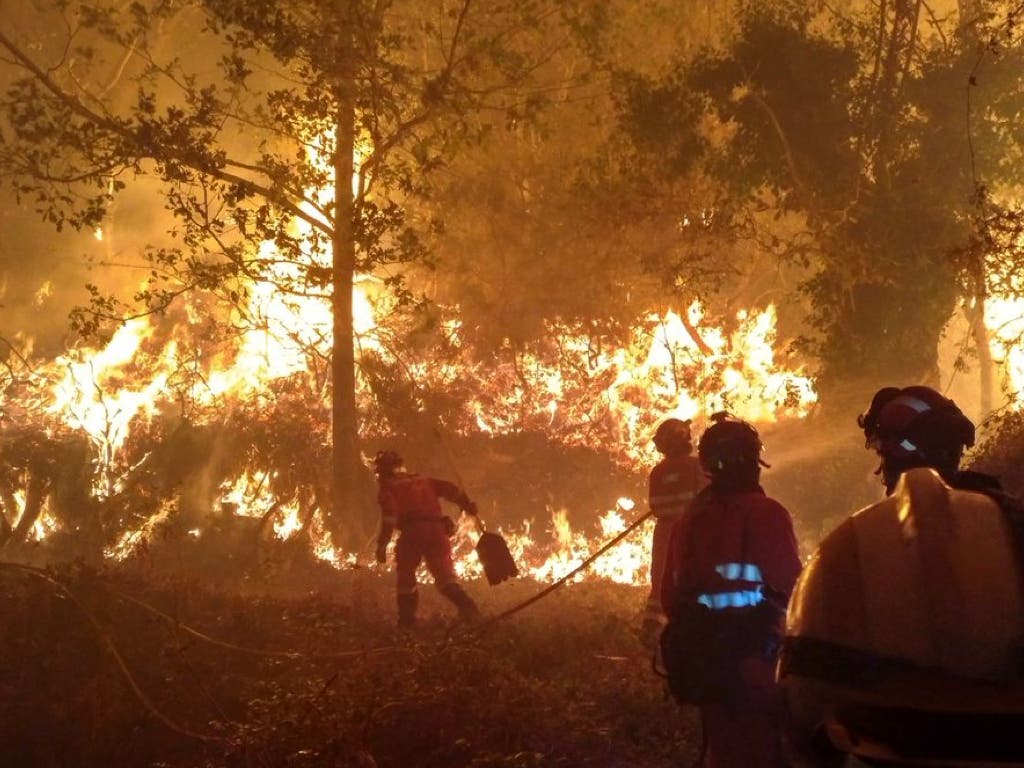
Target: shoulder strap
745	540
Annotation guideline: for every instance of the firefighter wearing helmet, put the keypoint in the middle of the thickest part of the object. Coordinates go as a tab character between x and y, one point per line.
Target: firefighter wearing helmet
732	562
411	503
672	485
905	637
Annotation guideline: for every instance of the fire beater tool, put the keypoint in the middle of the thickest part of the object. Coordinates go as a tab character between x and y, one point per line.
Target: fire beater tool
491	548
497	561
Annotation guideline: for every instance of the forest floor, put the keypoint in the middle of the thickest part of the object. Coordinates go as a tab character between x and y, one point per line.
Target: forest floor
303	667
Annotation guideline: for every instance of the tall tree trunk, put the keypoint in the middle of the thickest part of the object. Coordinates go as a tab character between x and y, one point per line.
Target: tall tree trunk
986	365
344	434
8	506
12	510
968	11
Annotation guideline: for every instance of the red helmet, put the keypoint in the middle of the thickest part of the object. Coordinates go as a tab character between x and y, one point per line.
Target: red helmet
386	462
729	443
915	423
673	435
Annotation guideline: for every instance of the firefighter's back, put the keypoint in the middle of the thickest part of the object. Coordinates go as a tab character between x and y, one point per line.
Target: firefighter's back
906	633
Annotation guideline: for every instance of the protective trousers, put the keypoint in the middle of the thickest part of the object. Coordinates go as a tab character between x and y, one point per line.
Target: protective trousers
419	541
427	540
462	601
746	732
659	557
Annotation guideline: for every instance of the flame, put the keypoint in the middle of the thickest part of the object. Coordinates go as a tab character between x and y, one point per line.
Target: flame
575	389
627	562
288	522
1004	318
134	540
94	391
44	524
45	292
617	397
668	368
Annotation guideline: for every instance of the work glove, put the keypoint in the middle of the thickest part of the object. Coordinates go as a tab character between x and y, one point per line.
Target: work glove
382	553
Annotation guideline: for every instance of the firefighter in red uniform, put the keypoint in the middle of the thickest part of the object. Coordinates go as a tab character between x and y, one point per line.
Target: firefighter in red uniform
673	484
411	503
733	551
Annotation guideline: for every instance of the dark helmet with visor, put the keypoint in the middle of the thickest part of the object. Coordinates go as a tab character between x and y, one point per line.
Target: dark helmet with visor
729	444
916	425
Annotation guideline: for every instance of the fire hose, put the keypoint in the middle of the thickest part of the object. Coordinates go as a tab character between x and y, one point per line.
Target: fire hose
107	643
355	653
566	577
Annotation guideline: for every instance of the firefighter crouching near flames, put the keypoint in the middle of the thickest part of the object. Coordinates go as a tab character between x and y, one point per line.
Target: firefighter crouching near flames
732	561
411	503
905	638
673	484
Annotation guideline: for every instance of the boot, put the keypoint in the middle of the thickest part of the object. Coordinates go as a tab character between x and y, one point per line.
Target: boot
407	609
467	608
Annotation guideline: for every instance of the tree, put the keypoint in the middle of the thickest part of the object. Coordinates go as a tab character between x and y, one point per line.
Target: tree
854	125
564	220
288	140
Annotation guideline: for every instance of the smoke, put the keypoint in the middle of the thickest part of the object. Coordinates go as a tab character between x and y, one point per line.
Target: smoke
42	276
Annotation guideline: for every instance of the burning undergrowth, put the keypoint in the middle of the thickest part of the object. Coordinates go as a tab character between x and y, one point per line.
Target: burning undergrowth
183	428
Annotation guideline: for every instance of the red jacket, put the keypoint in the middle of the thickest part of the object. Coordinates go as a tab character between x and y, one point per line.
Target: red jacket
406	498
673	484
728	546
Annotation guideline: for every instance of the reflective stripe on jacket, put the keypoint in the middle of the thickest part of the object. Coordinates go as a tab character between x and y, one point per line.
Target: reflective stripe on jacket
730	550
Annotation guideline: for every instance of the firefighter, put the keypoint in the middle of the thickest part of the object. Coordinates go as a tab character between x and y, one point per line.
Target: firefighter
411	503
672	485
917	427
734	555
904	638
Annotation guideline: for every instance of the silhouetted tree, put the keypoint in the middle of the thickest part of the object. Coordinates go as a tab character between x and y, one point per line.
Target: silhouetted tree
287	137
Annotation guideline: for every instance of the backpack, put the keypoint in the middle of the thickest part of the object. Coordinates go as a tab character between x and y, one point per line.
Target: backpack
701	649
